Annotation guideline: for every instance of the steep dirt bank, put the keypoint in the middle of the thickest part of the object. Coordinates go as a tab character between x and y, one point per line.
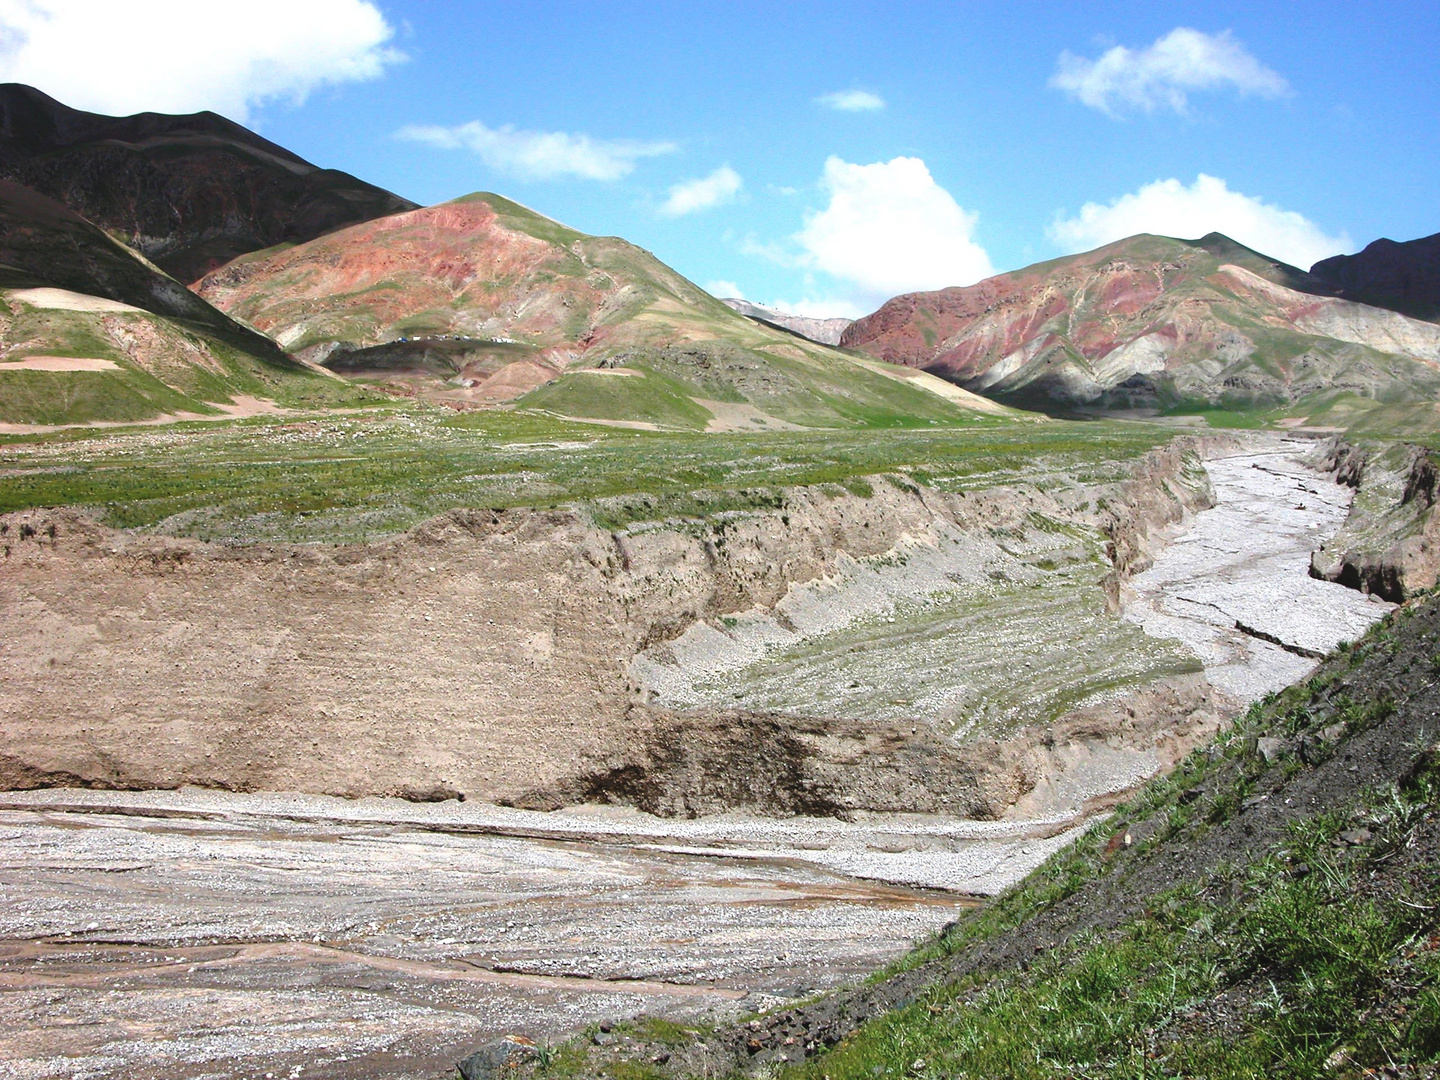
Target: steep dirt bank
485	653
1390	544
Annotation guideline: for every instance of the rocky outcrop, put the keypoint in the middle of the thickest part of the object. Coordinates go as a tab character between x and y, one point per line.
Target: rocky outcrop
1152	322
1390	543
1404	277
825	331
189	192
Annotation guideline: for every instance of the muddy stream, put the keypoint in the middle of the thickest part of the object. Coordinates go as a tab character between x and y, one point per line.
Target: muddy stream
187	934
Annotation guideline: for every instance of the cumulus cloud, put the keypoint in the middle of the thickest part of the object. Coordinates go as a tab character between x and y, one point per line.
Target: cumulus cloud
724	290
1162	75
1170	208
890	228
182	56
704	193
852	101
540	155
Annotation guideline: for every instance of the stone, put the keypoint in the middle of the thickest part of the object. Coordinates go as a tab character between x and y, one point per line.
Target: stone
1271	748
494	1059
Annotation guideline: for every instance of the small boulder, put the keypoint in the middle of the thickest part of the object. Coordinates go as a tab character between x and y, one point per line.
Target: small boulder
495	1059
1270	748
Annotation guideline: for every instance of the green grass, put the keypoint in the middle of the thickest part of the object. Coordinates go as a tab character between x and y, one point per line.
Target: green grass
1225	418
83	397
187	369
349	477
647	397
1309	961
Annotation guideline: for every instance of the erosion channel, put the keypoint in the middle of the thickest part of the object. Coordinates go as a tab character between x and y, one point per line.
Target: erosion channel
197	933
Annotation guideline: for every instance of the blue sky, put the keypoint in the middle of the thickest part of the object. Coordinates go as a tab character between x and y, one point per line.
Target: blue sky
1313	128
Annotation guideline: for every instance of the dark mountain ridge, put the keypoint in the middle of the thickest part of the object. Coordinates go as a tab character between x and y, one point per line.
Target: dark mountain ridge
42	243
1404	277
190	192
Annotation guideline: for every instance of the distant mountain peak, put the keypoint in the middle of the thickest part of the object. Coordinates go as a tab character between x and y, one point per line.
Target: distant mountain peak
823	330
1155	322
1401	275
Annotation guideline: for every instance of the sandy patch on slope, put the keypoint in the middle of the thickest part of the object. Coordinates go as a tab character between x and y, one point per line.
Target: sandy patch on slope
741	416
65	300
938	386
59	363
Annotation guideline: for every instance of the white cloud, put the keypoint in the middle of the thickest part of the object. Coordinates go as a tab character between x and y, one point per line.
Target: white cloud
852	101
1162	75
890	228
540	155
1169	208
725	290
181	56
705	193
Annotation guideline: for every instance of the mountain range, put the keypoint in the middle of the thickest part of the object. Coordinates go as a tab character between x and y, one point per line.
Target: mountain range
481	300
305	277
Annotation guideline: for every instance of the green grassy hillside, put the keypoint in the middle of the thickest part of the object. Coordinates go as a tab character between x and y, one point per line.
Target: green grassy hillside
90	332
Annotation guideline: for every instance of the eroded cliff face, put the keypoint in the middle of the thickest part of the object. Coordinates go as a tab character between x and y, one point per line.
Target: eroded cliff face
490	654
1390	544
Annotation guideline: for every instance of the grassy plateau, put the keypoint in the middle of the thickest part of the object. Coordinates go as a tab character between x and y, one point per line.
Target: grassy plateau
347	477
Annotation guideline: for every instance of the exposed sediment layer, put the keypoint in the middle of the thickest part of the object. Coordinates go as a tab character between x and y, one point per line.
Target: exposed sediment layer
1390	544
487	653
